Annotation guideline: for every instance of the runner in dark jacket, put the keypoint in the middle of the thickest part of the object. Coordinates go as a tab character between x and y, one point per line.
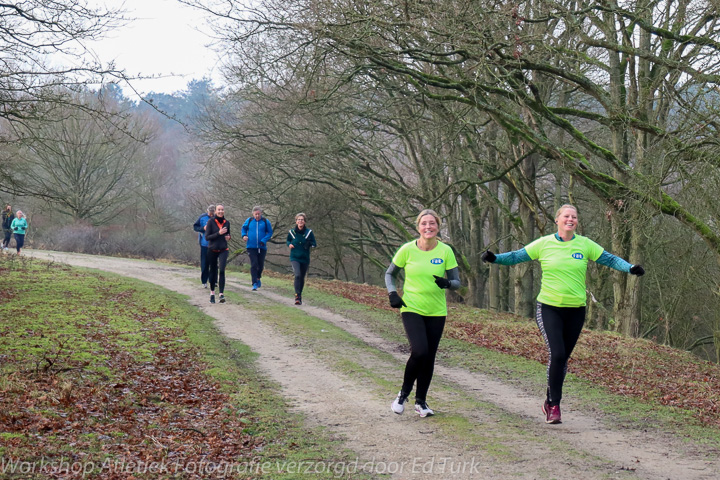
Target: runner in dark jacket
199	226
7	217
217	233
300	240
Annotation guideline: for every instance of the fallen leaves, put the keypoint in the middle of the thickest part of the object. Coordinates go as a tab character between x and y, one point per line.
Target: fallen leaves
97	394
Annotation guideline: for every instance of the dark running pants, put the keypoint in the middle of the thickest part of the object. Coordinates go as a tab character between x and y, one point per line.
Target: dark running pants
424	336
204	265
6	240
19	241
257	263
300	270
217	261
560	327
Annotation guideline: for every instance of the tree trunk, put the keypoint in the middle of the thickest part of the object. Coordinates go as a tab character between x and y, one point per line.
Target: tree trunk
524	277
494	235
524	283
362	248
504	274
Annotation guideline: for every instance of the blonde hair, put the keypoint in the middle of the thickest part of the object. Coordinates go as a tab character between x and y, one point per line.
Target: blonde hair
427	211
20	212
567	205
301	214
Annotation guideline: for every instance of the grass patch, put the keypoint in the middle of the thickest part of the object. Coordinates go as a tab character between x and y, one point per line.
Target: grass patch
102	373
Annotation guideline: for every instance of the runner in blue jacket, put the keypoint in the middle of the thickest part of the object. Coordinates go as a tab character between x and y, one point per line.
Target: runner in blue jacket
256	231
199	226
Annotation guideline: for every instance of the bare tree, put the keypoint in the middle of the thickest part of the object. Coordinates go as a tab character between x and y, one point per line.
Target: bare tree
83	165
610	104
44	58
35	30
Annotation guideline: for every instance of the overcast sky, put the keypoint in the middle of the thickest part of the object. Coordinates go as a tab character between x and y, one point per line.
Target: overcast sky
165	38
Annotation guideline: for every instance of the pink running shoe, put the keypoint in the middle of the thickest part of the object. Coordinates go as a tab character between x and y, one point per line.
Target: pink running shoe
552	413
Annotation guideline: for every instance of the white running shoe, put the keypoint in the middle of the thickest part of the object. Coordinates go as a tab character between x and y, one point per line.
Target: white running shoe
422	409
397	406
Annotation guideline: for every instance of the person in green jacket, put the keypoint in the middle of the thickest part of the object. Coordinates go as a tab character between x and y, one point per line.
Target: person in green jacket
19	227
300	240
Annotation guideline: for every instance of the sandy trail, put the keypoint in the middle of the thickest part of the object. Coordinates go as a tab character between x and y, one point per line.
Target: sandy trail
405	446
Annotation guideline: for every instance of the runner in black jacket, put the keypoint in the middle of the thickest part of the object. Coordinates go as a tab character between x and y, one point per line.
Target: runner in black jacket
7	217
217	233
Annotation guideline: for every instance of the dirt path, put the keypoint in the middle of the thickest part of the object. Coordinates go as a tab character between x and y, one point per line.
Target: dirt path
409	447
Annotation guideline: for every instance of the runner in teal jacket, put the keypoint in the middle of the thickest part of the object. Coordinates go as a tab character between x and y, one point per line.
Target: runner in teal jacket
19	226
300	240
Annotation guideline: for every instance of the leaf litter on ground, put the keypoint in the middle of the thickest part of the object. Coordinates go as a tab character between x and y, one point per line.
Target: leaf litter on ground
114	386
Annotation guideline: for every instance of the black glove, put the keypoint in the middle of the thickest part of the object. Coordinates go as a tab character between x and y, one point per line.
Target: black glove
396	301
637	270
442	282
488	256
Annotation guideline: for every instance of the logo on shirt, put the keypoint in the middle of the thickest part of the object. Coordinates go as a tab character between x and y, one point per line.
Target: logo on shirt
577	256
436	261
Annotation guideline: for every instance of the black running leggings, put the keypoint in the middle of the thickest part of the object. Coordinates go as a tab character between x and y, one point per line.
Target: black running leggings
300	270
19	241
560	327
215	258
424	336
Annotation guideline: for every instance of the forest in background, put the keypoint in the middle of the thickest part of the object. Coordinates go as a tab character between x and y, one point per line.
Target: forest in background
362	113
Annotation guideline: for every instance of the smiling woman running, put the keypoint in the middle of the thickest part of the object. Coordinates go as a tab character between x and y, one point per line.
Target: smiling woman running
560	312
423	307
217	233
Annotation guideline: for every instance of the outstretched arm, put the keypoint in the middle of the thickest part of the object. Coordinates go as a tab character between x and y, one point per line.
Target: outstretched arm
609	260
512	258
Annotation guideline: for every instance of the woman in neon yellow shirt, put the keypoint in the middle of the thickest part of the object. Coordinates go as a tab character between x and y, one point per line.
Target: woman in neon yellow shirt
423	307
560	312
